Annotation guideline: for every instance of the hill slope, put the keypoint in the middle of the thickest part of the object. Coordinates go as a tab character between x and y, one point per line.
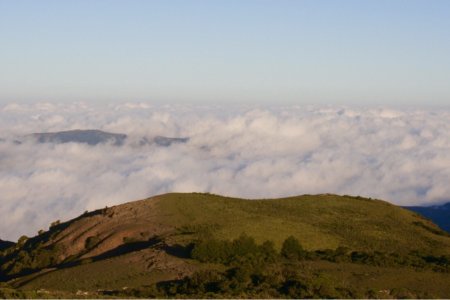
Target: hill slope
149	240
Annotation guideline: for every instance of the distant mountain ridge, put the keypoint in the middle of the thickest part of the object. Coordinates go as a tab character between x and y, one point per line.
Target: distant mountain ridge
95	137
90	137
439	214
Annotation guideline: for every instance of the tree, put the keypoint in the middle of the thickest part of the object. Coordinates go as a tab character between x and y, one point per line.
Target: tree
22	240
244	245
292	249
267	249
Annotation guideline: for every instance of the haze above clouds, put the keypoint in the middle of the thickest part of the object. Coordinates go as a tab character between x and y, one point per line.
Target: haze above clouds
398	155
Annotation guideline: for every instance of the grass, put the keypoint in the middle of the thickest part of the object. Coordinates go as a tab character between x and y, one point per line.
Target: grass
118	273
318	222
380	279
115	273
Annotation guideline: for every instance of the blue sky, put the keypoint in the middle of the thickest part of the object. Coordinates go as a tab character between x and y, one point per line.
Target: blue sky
325	52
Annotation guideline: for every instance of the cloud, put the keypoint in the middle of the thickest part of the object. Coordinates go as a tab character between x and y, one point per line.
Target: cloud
402	156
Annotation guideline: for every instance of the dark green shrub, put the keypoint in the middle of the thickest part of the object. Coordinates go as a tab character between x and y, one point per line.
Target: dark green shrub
240	250
22	240
292	249
212	251
54	224
91	242
267	250
244	245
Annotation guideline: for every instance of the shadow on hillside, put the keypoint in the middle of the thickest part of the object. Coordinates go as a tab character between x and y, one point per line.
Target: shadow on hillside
154	242
120	250
128	248
178	250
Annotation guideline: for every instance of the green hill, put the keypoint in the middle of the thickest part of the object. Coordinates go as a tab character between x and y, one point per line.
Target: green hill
320	221
147	244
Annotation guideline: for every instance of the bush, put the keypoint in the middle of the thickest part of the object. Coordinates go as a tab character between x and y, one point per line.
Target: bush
242	246
267	249
292	249
212	251
91	242
22	240
54	224
239	250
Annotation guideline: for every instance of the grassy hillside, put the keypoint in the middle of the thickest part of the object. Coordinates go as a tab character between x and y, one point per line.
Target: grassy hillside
137	244
319	221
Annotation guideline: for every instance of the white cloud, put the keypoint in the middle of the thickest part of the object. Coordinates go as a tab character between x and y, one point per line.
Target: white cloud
400	156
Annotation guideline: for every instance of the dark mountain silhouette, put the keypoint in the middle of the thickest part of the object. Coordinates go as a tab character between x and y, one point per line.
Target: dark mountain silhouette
162	141
165	141
94	137
91	137
439	214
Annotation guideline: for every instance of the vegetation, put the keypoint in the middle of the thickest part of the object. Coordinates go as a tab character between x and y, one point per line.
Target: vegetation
202	245
91	242
227	252
258	271
318	221
292	249
245	249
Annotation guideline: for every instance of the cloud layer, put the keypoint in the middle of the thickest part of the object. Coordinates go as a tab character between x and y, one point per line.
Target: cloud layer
402	156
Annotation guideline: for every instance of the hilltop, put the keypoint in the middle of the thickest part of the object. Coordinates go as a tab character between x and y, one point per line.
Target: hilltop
147	242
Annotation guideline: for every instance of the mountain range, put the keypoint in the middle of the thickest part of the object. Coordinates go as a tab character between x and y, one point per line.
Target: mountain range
94	137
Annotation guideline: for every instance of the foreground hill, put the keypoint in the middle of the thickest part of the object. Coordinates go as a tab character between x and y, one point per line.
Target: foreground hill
159	241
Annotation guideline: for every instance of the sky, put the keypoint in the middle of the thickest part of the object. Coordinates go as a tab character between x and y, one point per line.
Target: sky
384	52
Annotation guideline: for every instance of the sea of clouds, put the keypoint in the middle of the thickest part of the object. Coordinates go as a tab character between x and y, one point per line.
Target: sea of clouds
402	156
